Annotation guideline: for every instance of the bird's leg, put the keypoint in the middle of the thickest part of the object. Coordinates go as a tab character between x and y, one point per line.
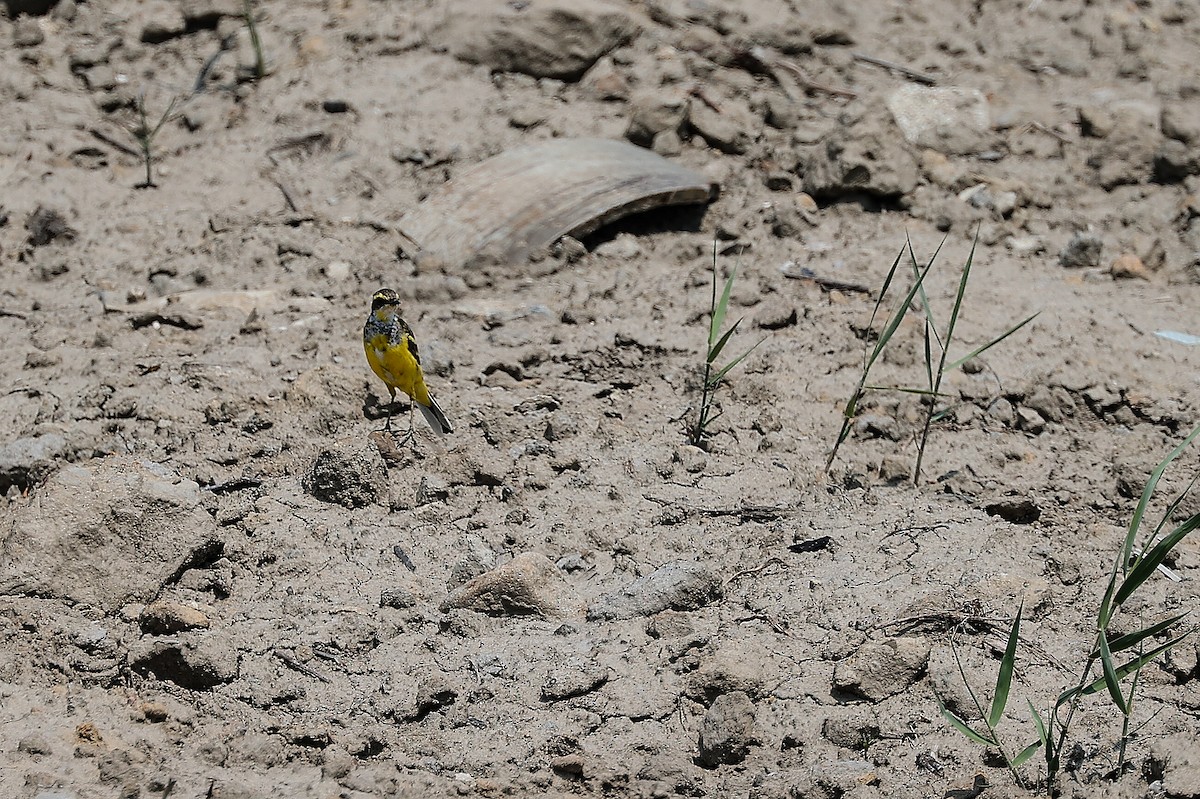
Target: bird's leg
391	404
411	430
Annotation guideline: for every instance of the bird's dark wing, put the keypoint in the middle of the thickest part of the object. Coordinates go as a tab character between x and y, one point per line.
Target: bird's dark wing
406	333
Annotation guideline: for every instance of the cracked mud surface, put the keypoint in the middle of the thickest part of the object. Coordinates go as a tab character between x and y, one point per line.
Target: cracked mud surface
217	580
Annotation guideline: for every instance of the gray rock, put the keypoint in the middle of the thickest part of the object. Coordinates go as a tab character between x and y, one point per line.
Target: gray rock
949	119
397	597
25	462
1054	403
983	196
1095	121
27	32
604	82
198	664
476	559
728	730
876	425
561	425
1083	251
849	161
433	488
351	473
693	459
1181	121
682	13
35	744
728	130
851	731
670	624
894	470
109	533
679	585
655	112
776	312
162	21
878	670
781	112
568	680
434	692
528	584
733	669
543	38
81	55
1125	155
844	777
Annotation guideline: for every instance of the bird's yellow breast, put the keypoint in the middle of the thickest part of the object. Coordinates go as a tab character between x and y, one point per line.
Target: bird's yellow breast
396	366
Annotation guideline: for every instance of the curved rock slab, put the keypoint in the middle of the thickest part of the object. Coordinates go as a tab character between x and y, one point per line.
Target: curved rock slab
522	201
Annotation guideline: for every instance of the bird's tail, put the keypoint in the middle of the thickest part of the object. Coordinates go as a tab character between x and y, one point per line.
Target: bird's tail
436	417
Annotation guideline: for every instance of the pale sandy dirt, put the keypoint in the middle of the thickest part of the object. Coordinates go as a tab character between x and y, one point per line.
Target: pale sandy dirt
185	613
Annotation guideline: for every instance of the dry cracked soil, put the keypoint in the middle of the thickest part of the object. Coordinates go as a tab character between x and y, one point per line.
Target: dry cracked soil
218	579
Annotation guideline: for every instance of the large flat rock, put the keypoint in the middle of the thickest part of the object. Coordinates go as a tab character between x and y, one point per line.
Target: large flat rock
106	533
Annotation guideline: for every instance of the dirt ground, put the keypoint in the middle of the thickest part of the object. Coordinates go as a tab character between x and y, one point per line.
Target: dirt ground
217	580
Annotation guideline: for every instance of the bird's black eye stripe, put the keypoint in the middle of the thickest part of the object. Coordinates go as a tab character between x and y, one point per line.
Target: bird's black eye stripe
380	299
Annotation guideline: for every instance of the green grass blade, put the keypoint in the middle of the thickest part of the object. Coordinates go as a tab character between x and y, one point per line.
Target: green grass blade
980	350
724	370
887	284
944	412
1025	754
849	413
894	321
1149	561
1107	605
718	313
926	340
1174	506
166	116
929	331
1125	670
1130	640
1004	676
720	345
927	308
962	727
958	297
1066	696
1111	681
1136	522
1040	723
905	390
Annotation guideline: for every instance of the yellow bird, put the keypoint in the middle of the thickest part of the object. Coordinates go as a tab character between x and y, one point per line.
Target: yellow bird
393	355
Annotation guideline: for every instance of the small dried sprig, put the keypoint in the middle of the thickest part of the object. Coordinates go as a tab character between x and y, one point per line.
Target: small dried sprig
713	374
144	133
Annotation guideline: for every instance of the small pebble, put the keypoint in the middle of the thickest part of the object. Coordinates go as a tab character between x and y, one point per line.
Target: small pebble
1129	265
164	618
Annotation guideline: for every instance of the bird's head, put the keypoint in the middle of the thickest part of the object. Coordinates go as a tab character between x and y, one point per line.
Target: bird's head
385	300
